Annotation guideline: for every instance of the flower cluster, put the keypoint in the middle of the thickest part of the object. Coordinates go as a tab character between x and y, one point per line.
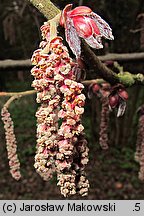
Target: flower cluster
139	155
47	115
61	146
11	144
73	152
73	179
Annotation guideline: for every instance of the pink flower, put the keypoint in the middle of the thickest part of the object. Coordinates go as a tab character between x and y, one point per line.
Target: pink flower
80	128
79	110
71	121
45	29
63	143
65	90
67	82
83	22
61	114
64	129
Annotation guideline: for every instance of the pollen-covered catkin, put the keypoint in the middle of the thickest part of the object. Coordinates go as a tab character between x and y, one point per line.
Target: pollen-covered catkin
103	139
11	144
59	123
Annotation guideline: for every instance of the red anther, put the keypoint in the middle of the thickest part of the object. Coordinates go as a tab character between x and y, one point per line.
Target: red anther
123	94
95	88
113	100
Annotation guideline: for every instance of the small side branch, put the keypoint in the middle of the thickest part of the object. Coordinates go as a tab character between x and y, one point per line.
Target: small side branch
10	100
17	94
93	81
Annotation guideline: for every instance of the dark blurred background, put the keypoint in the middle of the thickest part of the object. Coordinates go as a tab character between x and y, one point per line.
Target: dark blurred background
113	174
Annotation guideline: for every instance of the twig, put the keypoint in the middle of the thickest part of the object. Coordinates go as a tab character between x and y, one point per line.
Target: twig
126	78
122	57
46	7
88	82
17	94
138	79
9	63
136	30
10	100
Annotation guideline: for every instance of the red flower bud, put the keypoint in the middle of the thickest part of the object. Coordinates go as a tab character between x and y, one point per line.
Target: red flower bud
95	88
85	26
82	26
123	94
113	100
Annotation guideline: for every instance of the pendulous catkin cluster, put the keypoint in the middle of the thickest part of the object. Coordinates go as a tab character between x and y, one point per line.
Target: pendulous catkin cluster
11	144
72	154
61	146
139	155
47	114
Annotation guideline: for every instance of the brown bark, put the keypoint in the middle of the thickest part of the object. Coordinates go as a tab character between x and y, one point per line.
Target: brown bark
46	7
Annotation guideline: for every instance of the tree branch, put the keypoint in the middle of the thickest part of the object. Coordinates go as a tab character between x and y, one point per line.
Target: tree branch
125	78
95	64
122	57
9	63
